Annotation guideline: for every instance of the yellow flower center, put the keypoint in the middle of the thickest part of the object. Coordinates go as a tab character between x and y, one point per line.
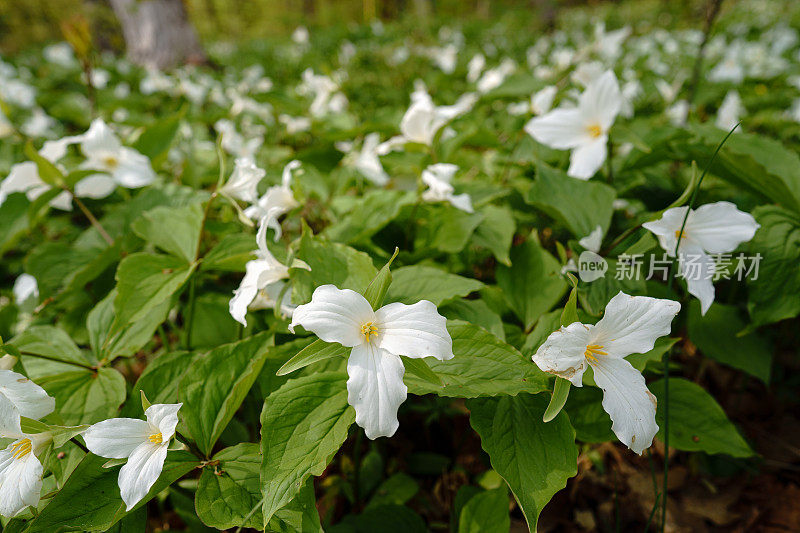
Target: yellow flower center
111	162
21	448
368	329
592	351
679	235
595	131
156	438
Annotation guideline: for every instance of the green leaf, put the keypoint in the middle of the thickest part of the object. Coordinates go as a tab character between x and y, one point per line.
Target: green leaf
303	425
557	401
331	263
175	230
144	282
420	369
371	213
535	458
160	380
717	336
587	416
52	343
775	294
376	291
533	284
486	512
90	500
483	366
85	396
696	421
397	490
214	386
444	228
476	312
639	361
315	352
48	172
580	205
386	519
231	253
411	284
156	140
496	232
13	220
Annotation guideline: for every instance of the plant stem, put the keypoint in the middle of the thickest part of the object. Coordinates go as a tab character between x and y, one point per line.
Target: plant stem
77	443
92	220
712	10
609	166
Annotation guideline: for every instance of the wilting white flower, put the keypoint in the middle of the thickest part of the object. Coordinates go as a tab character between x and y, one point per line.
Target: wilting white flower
375	385
105	153
495	77
366	160
276	201
475	67
24	177
143	443
729	111
262	282
631	324
438	177
243	183
583	129
716	228
25	287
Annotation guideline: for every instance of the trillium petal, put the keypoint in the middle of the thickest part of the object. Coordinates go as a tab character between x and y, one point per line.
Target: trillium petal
586	159
462	201
562	353
626	399
20	482
698	269
96	186
9	418
375	389
99	140
164	416
416	330
560	129
140	473
334	315
134	169
631	324
247	291
720	227
602	100
667	227
116	438
29	398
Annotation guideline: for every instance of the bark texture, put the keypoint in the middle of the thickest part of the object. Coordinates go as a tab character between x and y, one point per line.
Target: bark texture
158	33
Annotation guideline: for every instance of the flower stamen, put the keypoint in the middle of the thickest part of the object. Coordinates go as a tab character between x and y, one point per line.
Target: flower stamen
594	130
592	351
21	448
156	438
111	162
368	329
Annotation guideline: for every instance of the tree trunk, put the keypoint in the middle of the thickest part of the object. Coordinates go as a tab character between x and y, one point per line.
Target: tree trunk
158	33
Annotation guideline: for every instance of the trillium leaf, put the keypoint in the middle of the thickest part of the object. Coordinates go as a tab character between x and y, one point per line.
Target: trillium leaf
535	458
476	312
370	214
13	220
414	283
444	228
51	343
486	512
303	425
483	366
420	369
216	383
175	230
496	232
315	352
144	282
156	139
533	283
86	396
696	421
160	381
230	254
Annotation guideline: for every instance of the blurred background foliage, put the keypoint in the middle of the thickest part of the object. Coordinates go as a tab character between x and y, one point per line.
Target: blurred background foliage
32	22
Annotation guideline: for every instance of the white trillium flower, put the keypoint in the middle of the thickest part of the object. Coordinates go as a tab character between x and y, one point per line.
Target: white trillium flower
366	161
19	396
24	177
475	67
105	153
583	129
717	228
495	77
631	324
143	443
375	385
276	201
438	177
423	119
729	111
243	183
294	124
25	287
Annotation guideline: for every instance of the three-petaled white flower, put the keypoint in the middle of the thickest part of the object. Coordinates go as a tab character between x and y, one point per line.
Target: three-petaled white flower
243	183
276	201
438	177
262	282
143	443
366	160
583	129
423	119
375	385
631	324
20	469
716	228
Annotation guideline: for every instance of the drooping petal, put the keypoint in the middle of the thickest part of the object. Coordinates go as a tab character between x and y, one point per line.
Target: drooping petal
96	186
631	324
141	472
562	353
9	418
375	389
697	268
720	227
560	129
626	399
602	100
29	398
20	482
116	438
247	291
163	416
416	330
334	315
586	159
